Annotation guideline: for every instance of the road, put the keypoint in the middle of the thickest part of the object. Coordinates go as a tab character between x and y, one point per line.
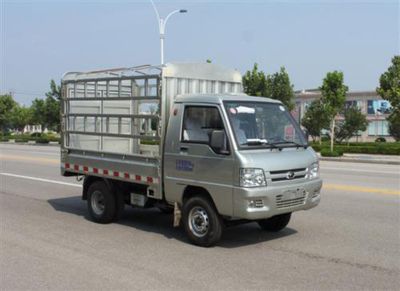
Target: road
350	241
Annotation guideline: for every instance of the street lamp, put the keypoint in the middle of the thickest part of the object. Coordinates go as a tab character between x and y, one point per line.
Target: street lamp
161	25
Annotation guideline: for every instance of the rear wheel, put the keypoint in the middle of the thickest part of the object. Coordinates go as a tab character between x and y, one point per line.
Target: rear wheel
202	222
101	203
275	223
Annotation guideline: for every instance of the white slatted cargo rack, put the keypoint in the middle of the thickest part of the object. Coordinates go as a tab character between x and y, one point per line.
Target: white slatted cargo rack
114	121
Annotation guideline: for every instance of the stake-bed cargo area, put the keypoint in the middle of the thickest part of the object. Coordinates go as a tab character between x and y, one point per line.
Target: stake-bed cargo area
185	139
113	120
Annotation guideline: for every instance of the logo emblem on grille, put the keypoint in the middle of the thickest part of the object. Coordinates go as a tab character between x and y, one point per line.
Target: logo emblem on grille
290	175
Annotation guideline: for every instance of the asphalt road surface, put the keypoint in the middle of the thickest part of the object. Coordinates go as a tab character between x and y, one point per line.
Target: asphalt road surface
350	241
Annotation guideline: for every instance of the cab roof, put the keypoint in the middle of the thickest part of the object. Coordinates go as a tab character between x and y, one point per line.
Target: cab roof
219	98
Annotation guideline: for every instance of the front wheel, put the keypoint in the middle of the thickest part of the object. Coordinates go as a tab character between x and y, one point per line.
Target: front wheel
202	222
275	223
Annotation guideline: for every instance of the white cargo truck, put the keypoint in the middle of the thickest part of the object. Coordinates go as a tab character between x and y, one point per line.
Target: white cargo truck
185	139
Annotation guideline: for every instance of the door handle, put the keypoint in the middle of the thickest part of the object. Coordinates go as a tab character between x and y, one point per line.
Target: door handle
184	149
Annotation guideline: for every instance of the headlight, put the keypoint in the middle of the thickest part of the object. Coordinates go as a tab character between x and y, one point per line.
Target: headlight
252	177
313	171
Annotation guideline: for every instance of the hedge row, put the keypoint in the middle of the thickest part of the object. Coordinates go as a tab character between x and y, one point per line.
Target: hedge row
357	144
376	149
24	138
326	152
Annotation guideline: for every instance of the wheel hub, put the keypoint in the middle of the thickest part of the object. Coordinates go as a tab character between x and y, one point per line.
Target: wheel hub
97	201
198	221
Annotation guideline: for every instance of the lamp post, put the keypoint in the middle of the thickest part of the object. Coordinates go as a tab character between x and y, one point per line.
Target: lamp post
161	26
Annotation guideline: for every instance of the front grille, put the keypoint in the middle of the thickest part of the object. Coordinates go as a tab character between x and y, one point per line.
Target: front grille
284	203
259	204
256	203
282	175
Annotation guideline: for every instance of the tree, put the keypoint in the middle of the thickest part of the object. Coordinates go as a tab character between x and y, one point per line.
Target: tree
55	91
7	104
354	121
46	112
333	93
38	108
275	86
255	83
52	106
315	119
394	126
21	116
52	111
389	89
280	88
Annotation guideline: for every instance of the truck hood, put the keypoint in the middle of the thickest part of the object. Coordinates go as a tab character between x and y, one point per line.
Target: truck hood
287	159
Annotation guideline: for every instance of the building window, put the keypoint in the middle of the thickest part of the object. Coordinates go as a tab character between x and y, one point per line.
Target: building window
379	107
378	128
352	104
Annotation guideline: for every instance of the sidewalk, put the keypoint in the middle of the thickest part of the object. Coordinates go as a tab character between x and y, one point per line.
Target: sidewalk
364	158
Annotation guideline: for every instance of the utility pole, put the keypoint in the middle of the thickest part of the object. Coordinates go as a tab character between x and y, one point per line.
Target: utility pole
161	26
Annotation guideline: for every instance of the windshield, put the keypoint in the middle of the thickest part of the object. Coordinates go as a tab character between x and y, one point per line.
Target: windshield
260	124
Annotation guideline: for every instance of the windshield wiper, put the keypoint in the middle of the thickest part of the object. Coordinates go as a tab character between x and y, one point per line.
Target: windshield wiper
257	141
284	141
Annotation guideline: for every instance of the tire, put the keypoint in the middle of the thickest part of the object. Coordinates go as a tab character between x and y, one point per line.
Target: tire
201	221
275	223
101	203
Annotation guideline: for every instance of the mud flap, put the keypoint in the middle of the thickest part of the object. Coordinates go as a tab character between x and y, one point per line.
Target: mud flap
177	215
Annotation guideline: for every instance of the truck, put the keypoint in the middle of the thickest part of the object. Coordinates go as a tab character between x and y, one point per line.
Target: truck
184	138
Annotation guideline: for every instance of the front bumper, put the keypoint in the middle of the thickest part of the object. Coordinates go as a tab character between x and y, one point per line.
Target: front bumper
265	202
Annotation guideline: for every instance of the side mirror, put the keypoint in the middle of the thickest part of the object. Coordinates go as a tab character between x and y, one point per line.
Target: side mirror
218	142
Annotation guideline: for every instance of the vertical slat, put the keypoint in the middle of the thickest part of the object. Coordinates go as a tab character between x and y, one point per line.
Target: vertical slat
146	86
102	118
75	90
95	89
119	125
85	89
158	129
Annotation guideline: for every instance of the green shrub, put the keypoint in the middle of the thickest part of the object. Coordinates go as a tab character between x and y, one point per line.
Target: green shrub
327	153
149	142
316	147
36	134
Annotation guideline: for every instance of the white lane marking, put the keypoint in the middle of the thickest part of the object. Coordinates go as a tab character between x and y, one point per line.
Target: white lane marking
41	180
360	170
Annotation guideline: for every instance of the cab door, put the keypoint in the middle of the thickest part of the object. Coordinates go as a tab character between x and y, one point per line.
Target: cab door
189	159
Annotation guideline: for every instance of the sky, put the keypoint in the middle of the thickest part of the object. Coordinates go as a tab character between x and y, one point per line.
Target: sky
43	39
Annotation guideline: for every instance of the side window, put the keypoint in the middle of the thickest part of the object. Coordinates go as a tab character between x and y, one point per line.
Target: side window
199	122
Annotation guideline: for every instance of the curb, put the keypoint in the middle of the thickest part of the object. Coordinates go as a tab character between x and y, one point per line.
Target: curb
349	160
50	144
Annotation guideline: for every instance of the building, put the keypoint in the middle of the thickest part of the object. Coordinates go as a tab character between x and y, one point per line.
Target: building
373	106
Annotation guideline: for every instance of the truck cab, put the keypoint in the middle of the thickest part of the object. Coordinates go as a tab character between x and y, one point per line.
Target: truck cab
245	156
